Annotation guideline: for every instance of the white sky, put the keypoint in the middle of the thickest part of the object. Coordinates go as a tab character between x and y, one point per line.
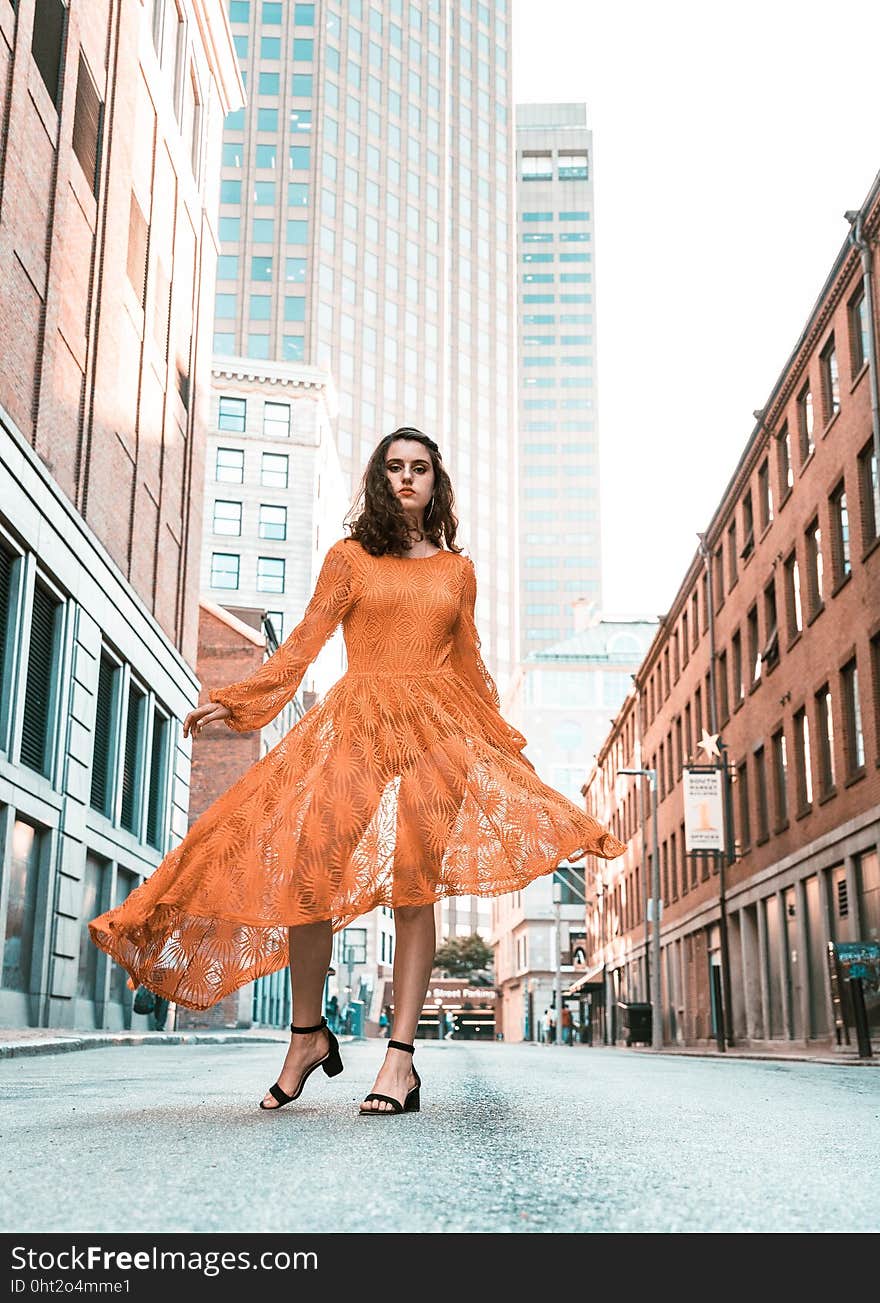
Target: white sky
729	139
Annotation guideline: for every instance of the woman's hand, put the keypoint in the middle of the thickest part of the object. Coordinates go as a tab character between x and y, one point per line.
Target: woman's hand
209	713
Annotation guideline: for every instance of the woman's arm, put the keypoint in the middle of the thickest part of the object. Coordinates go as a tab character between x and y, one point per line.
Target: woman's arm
254	701
466	659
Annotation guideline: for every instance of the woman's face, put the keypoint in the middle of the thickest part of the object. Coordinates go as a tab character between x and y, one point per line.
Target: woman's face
410	474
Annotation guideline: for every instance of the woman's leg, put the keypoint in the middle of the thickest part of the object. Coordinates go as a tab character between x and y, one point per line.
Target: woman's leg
310	948
413	961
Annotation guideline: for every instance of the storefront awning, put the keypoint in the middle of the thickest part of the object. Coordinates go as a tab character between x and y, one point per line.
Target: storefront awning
594	980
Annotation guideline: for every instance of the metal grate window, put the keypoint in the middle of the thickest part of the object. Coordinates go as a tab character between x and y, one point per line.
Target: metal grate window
103	741
842	898
156	795
87	119
131	768
38	692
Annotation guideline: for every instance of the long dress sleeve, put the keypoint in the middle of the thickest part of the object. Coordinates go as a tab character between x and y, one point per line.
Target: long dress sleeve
255	701
465	656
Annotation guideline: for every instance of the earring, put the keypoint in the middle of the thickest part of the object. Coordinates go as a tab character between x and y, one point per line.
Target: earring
430	507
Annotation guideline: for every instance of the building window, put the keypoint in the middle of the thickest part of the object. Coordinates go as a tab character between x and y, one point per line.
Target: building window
784	463
695	620
825	740
136	264
858	331
227	518
840	558
736	656
230	465
853	736
765	494
742	791
814	567
537	166
270	574
231	415
224	570
723	699
869	494
718	577
47	44
793	612
770	652
274	470
760	788
875	684
273	521
276	420
780	780
87	119
731	555
805	424
802	759
830	381
754	645
573	165
748	526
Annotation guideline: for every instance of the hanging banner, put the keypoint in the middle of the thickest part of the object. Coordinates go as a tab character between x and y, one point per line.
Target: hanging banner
703	810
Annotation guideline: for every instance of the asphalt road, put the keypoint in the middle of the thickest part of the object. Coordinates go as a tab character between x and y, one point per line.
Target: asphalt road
510	1138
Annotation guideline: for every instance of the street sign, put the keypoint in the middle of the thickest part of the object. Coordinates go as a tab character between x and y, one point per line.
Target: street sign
860	959
703	809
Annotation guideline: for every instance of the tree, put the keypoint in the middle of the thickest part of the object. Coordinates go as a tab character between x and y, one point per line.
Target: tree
466	957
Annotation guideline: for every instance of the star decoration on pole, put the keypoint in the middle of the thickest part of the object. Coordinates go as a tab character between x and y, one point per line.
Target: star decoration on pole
709	743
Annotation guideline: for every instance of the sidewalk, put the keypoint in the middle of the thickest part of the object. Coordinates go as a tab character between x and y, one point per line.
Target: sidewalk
17	1041
796	1053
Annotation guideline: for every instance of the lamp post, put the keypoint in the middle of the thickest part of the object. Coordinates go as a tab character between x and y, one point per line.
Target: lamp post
725	1019
655	913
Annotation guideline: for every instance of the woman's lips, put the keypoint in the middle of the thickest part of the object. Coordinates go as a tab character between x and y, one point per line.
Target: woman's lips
408	492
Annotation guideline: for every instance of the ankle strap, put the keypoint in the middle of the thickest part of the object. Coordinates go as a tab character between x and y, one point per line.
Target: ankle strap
317	1028
401	1045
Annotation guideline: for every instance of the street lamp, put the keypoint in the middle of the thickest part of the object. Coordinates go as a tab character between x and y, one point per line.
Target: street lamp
655	911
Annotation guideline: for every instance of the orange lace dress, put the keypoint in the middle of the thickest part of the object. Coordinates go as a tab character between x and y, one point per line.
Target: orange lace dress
402	785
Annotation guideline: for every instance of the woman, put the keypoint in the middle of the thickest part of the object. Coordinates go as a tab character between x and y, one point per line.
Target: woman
403	785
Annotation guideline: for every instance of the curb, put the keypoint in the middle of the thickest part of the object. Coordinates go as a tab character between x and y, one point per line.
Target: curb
729	1056
67	1044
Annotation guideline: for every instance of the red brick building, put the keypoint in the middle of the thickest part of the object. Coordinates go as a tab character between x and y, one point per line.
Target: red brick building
784	663
111	119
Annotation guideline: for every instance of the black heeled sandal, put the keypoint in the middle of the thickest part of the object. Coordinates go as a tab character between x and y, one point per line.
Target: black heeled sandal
412	1102
331	1063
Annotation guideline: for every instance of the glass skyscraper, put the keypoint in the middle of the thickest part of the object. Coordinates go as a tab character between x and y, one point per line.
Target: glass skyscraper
559	466
367	227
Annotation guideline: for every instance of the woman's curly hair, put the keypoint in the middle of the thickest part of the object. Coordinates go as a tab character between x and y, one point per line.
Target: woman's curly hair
379	523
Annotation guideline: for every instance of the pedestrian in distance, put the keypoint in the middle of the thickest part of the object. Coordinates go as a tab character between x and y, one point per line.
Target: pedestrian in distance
547	1026
384	1023
566	1020
378	794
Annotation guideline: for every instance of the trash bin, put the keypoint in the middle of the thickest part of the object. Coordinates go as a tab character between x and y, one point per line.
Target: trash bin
636	1021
